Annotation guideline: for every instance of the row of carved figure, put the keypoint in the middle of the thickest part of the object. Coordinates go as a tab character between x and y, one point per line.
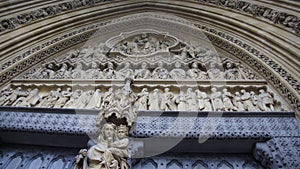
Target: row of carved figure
230	71
120	99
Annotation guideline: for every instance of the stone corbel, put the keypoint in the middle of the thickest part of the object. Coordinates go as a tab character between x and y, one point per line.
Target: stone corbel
269	156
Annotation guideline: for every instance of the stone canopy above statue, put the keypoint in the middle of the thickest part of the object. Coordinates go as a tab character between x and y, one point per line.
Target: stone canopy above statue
142	43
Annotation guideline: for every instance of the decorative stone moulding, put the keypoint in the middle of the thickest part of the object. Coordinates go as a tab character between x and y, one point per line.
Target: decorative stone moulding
275	16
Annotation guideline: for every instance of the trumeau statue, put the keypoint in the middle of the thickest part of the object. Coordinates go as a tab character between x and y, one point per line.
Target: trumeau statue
110	151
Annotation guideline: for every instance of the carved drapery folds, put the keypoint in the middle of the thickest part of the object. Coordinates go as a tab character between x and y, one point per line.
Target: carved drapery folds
110	151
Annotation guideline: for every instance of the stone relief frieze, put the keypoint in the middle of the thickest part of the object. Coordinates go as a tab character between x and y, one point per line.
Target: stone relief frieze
124	102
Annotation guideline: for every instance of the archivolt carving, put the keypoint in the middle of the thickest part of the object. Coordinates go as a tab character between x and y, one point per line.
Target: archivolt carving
291	22
14	22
